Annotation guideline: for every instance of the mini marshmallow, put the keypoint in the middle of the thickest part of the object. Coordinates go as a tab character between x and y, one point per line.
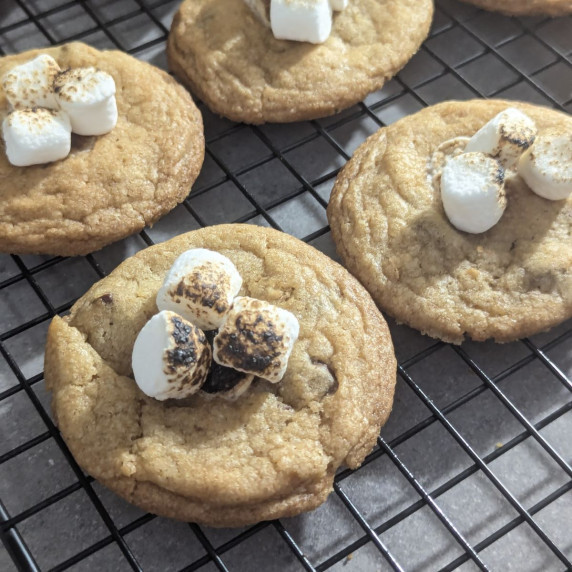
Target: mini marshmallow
256	337
472	190
547	166
226	382
200	286
88	96
31	84
301	20
262	10
171	357
504	137
35	136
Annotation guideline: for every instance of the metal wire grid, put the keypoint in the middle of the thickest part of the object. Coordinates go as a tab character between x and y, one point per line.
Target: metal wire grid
469	53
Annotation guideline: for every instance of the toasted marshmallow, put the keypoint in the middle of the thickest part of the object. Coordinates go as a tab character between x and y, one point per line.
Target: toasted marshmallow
200	286
31	84
35	136
301	20
472	190
88	96
171	357
504	137
256	337
547	166
226	382
262	10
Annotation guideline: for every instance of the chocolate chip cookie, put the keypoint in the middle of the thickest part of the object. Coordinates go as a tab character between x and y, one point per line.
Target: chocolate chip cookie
390	228
111	185
274	450
525	7
226	56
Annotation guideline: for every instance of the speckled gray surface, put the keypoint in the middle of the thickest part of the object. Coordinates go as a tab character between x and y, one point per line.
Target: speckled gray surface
282	175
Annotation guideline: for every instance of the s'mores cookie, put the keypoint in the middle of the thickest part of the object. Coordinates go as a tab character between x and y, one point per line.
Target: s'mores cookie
287	60
458	219
525	7
95	146
301	381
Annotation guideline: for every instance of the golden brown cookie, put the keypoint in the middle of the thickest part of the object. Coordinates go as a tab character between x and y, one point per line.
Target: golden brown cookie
525	7
274	451
228	58
392	233
112	185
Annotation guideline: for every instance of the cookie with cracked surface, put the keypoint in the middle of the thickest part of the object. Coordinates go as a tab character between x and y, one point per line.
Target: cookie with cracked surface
391	231
271	453
111	185
227	57
525	7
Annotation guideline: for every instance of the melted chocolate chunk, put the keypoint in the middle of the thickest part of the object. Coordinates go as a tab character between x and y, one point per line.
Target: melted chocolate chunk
335	383
210	335
222	379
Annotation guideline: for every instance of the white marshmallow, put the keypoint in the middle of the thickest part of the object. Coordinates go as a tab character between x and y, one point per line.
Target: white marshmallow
31	84
171	357
262	10
472	190
547	166
200	286
88	96
35	136
505	137
256	337
301	20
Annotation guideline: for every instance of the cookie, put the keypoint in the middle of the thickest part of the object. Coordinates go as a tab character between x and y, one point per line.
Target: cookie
271	453
112	185
229	59
525	7
392	233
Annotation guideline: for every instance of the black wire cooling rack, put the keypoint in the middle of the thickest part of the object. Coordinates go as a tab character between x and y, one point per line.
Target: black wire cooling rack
473	470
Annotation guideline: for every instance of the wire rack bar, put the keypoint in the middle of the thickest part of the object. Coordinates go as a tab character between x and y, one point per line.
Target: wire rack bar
503	531
78	472
484	468
513	409
554	369
373	537
287	537
208	547
469	550
28	274
529	79
227	546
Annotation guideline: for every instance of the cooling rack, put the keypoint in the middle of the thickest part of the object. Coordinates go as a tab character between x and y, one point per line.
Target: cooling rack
473	470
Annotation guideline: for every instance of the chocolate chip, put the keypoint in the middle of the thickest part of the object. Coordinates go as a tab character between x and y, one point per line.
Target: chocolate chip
107	298
335	383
